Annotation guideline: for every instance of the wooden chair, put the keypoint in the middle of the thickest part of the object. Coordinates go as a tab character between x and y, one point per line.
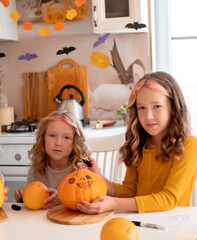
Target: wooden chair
105	151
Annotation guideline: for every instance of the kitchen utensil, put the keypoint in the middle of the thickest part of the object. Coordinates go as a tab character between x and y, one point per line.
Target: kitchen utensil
41	87
61	214
72	105
35	95
3	215
68	72
104	123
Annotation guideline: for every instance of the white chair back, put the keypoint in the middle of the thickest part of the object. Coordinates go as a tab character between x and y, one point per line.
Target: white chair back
194	197
105	151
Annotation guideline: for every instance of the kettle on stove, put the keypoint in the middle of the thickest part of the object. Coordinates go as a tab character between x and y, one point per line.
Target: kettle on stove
71	104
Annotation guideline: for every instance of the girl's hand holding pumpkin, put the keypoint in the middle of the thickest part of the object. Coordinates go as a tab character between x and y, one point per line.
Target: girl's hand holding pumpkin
98	205
53	200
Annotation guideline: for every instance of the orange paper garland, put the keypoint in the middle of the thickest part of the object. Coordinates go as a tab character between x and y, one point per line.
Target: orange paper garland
27	25
79	3
59	26
5	3
14	15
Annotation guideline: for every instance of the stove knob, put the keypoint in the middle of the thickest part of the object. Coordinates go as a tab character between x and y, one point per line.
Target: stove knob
18	157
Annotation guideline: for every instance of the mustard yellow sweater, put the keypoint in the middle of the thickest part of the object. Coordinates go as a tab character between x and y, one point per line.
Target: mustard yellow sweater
159	186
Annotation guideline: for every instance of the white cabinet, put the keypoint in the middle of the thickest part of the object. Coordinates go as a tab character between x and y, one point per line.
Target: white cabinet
114	15
8	27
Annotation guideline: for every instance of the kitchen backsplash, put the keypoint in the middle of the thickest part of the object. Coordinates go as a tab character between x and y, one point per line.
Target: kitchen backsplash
106	91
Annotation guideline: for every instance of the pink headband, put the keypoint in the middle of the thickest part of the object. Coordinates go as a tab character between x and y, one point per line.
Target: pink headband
65	119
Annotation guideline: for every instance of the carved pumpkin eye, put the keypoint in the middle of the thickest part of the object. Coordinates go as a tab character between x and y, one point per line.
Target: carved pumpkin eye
71	180
88	177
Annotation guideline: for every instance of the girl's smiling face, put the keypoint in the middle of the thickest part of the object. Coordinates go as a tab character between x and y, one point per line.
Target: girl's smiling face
154	112
59	138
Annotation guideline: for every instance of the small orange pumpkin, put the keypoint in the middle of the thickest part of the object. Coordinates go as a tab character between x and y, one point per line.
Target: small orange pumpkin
34	195
2	194
119	228
80	185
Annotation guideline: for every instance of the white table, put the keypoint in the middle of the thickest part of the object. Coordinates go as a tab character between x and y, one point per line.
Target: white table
33	224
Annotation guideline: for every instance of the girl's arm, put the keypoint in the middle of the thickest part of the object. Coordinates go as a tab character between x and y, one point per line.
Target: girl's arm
106	203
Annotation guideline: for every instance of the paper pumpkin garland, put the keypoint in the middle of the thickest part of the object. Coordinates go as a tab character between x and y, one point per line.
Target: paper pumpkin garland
44	31
79	3
72	13
55	13
27	25
5	3
59	26
14	15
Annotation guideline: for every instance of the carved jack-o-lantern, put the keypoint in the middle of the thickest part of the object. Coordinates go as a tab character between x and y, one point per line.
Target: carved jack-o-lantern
80	185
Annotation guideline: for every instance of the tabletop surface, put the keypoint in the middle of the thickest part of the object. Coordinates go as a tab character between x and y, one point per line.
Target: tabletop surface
181	224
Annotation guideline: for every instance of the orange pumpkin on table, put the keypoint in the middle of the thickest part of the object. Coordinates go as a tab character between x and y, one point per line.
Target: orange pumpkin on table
119	228
2	194
80	185
34	195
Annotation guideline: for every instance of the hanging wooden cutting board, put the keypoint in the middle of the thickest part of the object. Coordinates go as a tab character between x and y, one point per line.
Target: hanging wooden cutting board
67	72
61	214
35	94
3	215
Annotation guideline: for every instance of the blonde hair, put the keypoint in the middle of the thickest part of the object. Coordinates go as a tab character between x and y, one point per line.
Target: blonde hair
136	137
38	155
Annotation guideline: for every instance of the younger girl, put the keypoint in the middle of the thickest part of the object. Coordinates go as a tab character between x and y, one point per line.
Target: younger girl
159	152
60	144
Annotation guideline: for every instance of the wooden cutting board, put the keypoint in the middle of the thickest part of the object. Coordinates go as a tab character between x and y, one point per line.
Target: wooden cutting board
35	94
67	72
61	214
3	215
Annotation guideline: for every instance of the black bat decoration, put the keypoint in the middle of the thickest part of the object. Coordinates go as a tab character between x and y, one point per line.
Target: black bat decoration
65	50
27	56
135	25
101	39
2	55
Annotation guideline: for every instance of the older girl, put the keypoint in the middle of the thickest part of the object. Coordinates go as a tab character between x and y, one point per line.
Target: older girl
159	152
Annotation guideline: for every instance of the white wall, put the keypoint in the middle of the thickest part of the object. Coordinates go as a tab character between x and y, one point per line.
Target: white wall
130	47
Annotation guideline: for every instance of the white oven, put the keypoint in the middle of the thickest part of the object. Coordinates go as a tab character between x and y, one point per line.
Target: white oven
14	160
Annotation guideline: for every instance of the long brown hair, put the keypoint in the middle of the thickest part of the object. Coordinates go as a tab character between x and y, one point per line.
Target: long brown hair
136	137
38	155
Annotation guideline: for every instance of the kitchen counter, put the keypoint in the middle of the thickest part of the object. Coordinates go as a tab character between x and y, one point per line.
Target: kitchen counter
89	131
33	224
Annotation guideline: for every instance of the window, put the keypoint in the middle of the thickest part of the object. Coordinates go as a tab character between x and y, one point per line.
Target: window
174	26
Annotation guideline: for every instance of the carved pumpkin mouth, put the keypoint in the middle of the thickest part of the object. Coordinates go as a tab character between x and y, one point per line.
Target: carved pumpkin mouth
85	184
